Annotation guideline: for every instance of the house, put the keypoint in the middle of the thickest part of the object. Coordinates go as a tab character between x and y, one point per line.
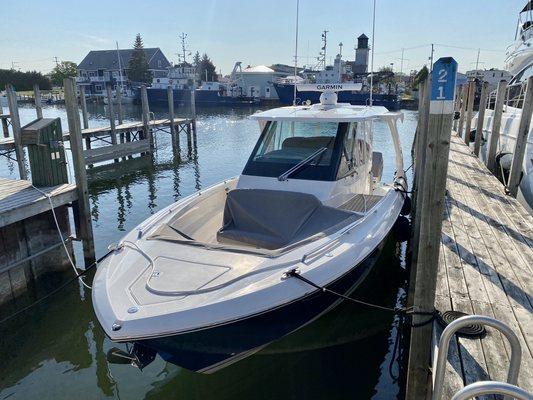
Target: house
100	67
493	76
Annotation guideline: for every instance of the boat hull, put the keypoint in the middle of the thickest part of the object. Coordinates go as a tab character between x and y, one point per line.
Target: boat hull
158	96
286	95
213	348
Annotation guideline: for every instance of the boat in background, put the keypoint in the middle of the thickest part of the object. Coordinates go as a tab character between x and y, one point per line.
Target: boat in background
519	54
341	72
212	278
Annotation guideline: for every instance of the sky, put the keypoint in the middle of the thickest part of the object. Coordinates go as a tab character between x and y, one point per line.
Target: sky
34	32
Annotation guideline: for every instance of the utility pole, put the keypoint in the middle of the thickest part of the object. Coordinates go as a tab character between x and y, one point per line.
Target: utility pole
56	61
477	59
431	58
401	62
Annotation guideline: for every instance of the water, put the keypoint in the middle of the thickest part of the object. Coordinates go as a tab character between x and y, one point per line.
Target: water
57	349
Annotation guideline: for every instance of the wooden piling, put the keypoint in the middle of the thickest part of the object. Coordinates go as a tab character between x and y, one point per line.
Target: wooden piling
175	138
521	140
496	125
469	111
432	194
111	114
38	105
15	126
464	94
120	116
481	116
85	229
457	106
146	115
418	179
83	102
193	103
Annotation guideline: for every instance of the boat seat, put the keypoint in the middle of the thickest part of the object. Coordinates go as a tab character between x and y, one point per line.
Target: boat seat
377	165
272	219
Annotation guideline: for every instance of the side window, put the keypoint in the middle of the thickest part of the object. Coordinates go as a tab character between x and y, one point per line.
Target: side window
347	156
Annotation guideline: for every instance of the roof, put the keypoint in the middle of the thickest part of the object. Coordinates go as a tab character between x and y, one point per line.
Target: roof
363	36
263	69
317	113
108	59
528	6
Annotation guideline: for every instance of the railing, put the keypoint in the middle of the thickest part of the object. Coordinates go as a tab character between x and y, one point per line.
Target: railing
491	387
444	344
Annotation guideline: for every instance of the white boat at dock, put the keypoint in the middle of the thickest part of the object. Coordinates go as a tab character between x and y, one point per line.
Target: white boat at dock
207	280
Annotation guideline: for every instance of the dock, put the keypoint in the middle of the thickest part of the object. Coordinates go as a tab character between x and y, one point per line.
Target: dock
19	200
471	252
485	268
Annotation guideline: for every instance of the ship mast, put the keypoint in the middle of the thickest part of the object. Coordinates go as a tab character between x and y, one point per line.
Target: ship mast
184	49
322	56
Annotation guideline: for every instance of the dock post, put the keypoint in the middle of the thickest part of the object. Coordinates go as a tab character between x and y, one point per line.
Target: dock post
85	228
464	93
38	105
118	92
146	116
481	117
457	106
496	125
418	179
521	141
111	113
469	111
83	103
192	125
15	125
435	171
5	127
175	138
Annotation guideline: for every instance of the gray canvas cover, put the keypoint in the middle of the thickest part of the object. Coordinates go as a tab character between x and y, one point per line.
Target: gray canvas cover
272	219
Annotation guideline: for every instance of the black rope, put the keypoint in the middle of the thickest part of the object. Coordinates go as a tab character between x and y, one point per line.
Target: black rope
402	190
397	310
56	290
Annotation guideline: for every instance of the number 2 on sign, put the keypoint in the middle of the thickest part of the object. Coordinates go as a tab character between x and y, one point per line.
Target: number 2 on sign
442	79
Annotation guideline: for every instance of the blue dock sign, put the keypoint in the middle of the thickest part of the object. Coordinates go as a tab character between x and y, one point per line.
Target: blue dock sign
443	79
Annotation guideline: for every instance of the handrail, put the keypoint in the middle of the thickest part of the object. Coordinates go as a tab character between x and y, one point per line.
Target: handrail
492	387
444	344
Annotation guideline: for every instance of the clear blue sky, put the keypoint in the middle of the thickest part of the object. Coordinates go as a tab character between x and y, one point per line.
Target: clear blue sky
258	32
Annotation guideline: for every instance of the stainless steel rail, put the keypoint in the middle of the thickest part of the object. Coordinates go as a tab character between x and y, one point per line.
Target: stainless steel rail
444	344
492	387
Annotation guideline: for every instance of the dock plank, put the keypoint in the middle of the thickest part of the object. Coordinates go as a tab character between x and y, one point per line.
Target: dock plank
19	200
486	269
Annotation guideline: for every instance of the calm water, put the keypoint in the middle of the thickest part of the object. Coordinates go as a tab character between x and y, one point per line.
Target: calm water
57	350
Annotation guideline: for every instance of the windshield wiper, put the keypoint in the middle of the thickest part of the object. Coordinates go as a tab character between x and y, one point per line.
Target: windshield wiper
292	170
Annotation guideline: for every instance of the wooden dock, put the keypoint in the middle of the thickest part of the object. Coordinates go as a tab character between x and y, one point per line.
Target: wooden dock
19	200
485	268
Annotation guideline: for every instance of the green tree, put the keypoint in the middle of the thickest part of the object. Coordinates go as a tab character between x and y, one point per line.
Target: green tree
23	80
196	60
65	69
207	70
138	68
420	77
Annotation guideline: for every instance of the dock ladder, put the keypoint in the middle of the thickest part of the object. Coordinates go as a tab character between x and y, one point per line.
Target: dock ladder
484	387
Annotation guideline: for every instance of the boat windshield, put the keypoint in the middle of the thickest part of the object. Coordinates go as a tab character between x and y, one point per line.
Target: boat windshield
284	144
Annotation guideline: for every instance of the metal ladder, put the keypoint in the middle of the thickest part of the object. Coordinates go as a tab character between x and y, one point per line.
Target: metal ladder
484	387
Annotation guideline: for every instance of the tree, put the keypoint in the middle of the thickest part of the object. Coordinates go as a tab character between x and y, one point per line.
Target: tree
196	60
385	76
65	69
207	70
420	77
138	68
23	80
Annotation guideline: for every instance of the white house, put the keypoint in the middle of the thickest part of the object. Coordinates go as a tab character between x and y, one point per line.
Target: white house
492	76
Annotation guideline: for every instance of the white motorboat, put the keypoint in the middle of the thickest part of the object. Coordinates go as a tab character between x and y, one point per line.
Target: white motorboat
518	55
210	279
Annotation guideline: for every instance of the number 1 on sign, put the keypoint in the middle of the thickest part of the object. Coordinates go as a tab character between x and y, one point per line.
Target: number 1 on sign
442	79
